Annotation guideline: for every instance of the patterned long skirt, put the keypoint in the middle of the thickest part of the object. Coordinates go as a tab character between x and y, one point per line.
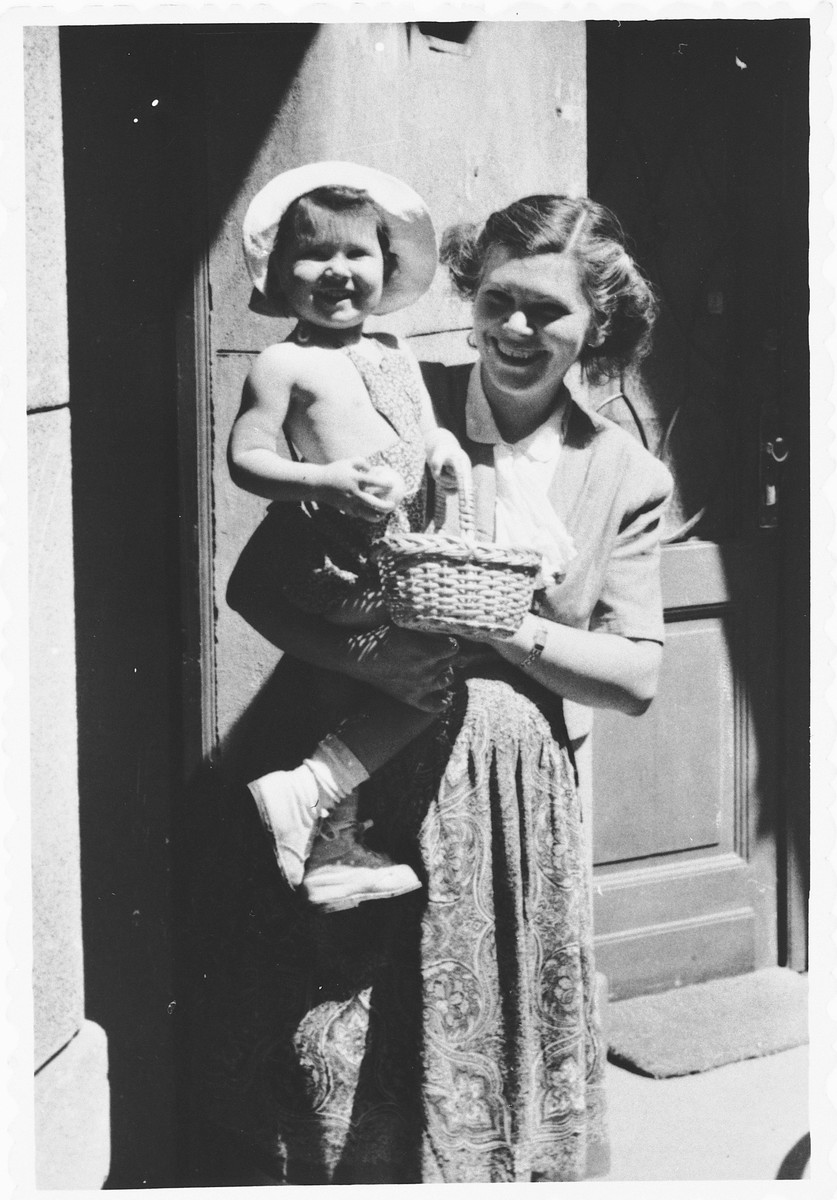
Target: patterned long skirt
450	1035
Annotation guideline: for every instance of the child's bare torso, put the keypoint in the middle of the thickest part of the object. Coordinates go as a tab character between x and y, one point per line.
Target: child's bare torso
330	413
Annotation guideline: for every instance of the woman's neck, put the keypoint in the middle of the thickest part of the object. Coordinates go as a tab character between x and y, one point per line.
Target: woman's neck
517	417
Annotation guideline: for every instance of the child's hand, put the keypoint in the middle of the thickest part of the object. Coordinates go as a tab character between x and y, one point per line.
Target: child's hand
353	487
449	464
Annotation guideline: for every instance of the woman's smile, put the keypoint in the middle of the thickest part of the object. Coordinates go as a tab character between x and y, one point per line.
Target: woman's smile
514	355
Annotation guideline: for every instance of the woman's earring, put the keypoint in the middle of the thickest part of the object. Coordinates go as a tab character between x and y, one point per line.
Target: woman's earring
303	335
471	340
596	339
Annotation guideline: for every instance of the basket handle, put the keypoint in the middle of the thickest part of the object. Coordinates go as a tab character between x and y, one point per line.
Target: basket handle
466	510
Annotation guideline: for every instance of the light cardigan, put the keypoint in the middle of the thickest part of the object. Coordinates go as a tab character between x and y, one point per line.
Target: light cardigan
609	492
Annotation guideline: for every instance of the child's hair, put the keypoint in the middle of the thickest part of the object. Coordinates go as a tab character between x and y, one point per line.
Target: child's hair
624	306
299	228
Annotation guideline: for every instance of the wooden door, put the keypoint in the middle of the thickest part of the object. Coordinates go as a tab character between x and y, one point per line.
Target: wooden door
697	137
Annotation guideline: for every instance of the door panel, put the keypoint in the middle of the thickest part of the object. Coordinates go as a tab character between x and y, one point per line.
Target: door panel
684	796
671	953
699	771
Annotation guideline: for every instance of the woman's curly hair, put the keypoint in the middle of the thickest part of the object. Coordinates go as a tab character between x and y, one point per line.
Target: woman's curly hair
623	303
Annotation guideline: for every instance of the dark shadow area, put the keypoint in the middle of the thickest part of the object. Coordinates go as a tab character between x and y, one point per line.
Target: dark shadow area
268	981
698	139
796	1160
130	142
242	76
454	33
121	254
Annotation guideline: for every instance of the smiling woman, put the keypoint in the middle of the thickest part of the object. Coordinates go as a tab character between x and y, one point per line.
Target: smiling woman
531	322
451	1035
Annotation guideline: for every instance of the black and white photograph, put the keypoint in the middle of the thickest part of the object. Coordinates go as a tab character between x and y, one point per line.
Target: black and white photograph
411	533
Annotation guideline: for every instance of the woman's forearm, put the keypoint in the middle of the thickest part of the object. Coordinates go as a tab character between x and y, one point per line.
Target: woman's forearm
602	670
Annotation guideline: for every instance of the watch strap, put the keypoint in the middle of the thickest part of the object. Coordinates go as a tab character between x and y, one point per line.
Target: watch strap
541	634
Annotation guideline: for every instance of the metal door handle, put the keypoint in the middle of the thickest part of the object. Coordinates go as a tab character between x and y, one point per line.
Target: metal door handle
778	449
774	453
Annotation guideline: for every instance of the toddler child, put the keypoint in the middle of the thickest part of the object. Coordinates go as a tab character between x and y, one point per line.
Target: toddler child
331	244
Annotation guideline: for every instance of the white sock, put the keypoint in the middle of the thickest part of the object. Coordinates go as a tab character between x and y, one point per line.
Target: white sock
336	770
318	783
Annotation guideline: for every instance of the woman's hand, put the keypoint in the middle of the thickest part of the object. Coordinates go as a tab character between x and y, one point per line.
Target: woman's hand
417	668
354	487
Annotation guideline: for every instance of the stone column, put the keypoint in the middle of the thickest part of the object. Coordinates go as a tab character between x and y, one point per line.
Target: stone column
72	1121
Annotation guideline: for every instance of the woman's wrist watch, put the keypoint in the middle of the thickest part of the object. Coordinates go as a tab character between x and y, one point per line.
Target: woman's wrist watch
541	634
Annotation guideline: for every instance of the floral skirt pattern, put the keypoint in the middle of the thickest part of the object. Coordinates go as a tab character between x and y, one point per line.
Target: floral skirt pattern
448	1036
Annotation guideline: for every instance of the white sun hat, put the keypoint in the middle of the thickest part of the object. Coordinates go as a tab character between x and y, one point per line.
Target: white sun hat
411	235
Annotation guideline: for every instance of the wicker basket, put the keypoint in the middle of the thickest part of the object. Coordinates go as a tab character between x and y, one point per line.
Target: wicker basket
440	583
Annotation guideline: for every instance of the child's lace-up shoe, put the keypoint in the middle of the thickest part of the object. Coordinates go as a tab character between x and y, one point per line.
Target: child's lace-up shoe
291	822
343	872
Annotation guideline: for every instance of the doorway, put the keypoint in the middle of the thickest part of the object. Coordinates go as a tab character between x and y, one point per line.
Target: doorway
697	138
